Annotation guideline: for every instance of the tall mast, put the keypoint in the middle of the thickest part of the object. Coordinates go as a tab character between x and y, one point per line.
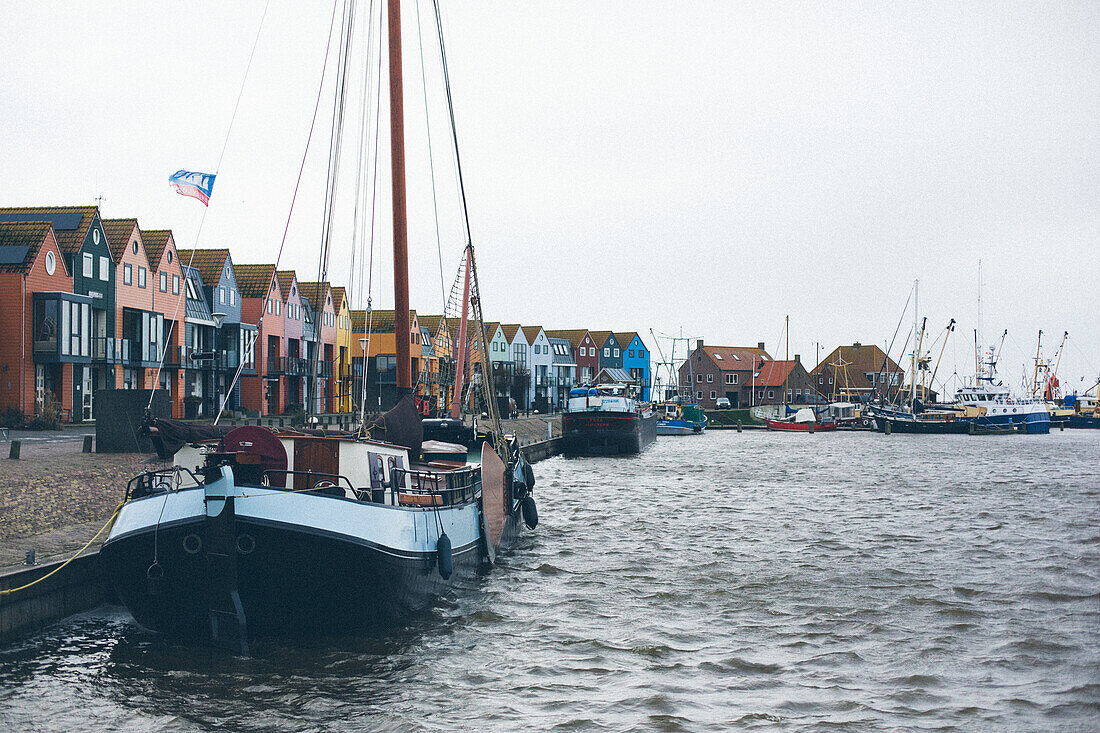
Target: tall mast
1035	379
402	330
787	328
913	378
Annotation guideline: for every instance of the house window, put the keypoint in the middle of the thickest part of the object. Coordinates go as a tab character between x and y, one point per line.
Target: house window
698	377
133	246
232	297
89	265
699	395
789	395
104	269
821	380
719	357
221	296
164	282
616	353
630	353
191	291
710	377
830	380
269	305
175	284
771	394
798	392
713	394
51	263
278	307
141	276
128	274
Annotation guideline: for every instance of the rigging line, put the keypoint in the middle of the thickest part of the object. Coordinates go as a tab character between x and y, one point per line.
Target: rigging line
293	200
347	31
202	220
451	114
431	160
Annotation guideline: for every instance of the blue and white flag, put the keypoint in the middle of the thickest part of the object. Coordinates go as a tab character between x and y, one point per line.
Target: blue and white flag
195	185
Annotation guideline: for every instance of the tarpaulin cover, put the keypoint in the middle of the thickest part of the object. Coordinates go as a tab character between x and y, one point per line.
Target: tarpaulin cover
400	426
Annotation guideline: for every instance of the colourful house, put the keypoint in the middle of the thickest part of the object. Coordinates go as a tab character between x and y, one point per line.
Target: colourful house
320	335
168	301
636	358
262	305
136	324
345	394
586	352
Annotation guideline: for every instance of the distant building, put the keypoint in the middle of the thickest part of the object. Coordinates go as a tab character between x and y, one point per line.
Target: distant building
857	373
563	373
724	371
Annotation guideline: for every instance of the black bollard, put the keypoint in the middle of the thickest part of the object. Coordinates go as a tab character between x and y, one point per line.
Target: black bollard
739	426
811	428
13	452
87	444
29	558
886	426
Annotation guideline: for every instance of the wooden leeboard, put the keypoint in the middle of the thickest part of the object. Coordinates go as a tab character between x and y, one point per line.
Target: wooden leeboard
492	495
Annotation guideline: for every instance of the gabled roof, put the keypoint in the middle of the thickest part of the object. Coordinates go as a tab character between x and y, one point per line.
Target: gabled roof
314	294
20	244
774	373
566	358
209	263
339	294
532	332
625	338
118	233
573	336
286	278
254	281
510	331
432	324
155	241
601	337
736	358
70	223
491	328
858	359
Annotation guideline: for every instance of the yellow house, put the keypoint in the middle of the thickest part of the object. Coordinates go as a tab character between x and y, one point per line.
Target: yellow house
345	401
439	362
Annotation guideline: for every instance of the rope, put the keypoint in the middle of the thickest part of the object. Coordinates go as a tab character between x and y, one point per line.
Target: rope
114	515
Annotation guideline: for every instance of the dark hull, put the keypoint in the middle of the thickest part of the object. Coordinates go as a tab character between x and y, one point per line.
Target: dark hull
606	433
1083	421
950	427
294	580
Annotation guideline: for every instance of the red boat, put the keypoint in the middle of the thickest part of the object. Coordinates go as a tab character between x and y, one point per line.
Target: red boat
800	422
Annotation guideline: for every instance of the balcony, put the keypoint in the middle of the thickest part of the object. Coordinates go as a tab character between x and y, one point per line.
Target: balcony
290	366
110	350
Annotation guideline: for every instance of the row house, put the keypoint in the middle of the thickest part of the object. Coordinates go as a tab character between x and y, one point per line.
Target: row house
138	327
374	358
342	371
586	353
295	365
563	370
212	295
262	304
540	364
74	314
319	332
856	373
636	360
169	294
438	336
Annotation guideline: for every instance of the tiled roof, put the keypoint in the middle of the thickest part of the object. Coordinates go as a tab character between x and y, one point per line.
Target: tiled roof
573	336
254	281
314	293
626	338
510	330
432	323
490	329
858	359
155	241
381	321
69	240
736	358
286	278
600	337
209	263
19	245
773	374
532	333
338	295
118	233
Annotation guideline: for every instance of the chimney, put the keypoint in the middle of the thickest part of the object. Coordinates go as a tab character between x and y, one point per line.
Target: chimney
797	359
760	345
699	344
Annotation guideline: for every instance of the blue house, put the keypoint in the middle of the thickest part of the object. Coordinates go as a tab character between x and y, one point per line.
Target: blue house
636	360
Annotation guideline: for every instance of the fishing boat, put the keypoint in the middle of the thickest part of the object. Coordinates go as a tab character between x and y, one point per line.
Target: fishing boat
253	533
802	421
993	408
1085	411
606	419
674	418
919	420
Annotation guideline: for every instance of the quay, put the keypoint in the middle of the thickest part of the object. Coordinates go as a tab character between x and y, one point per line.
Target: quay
55	498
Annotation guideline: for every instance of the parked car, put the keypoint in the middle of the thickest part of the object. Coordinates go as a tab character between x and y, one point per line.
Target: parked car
722	403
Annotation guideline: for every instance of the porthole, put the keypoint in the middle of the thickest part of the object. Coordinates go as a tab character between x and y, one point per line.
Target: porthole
51	263
192	543
245	544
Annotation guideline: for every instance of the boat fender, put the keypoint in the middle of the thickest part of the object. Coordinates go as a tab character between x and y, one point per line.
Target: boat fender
530	512
444	558
528	475
154	579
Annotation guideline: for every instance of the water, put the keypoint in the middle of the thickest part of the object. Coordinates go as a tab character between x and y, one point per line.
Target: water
723	581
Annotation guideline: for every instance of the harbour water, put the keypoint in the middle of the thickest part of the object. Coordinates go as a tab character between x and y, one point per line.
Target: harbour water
721	581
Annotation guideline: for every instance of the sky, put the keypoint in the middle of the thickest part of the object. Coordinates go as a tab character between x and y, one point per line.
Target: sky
704	169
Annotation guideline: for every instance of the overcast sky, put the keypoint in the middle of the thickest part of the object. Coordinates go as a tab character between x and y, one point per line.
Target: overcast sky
711	168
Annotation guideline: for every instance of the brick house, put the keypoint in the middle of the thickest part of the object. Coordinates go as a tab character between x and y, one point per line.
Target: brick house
775	376
723	371
857	373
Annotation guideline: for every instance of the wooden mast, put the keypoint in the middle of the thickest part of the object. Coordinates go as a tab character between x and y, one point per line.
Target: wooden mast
402	330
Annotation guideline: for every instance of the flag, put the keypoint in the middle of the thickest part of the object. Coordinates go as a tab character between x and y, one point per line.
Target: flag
195	185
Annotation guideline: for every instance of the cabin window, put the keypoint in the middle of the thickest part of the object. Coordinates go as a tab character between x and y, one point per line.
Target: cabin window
89	265
128	274
175	284
164	282
104	269
141	276
719	357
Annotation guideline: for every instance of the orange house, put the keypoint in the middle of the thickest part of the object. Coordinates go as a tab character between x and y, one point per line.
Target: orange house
168	301
37	336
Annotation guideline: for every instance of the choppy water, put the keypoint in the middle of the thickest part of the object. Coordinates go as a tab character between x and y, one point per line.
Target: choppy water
726	581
